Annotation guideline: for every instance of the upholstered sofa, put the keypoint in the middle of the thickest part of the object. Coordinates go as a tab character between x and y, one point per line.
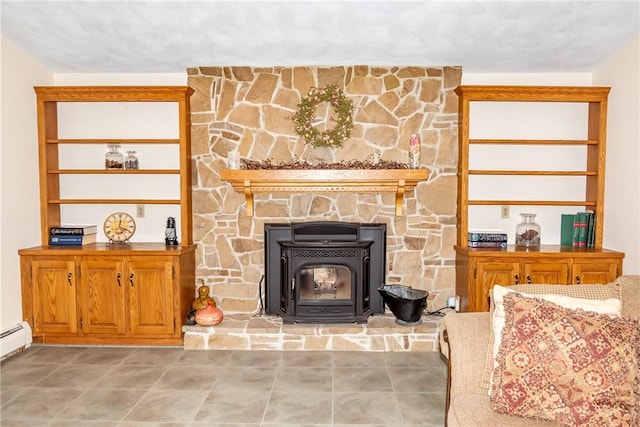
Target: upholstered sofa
464	339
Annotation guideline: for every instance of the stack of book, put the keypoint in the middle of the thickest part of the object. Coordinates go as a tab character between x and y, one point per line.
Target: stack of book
578	230
486	239
72	235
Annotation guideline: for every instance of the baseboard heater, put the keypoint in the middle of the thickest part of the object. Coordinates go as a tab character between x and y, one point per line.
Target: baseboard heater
17	338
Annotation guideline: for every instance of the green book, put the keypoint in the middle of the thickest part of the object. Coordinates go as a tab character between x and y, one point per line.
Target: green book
591	232
583	226
566	229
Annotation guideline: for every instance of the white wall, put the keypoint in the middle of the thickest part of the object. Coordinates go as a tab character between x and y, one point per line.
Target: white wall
19	177
19	194
19	189
82	79
622	192
529	79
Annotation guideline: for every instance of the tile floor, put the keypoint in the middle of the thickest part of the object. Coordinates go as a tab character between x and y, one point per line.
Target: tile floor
62	386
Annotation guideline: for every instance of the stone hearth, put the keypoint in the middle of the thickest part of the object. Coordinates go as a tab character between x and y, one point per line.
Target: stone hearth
247	332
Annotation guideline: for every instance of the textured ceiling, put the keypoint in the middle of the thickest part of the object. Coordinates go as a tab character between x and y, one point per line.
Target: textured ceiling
169	36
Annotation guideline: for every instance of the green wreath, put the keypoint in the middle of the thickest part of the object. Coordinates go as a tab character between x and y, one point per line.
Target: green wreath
343	108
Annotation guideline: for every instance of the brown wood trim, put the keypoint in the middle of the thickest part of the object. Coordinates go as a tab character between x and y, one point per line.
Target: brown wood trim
397	181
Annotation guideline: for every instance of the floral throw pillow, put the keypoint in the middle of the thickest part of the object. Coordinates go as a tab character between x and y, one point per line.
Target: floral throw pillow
568	366
597	298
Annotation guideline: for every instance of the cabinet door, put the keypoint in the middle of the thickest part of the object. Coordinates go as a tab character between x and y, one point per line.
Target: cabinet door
595	272
102	296
54	296
489	274
550	273
151	296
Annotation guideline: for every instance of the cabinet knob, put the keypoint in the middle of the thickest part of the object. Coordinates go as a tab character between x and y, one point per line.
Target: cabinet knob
517	279
578	280
528	279
69	278
118	278
131	279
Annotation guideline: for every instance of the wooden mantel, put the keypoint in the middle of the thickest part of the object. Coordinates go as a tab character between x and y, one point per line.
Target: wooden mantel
397	181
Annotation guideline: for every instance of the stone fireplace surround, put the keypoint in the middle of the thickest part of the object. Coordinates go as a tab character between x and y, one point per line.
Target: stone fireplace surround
249	109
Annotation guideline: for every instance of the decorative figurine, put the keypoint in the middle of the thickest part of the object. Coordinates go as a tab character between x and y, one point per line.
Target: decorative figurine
203	298
205	311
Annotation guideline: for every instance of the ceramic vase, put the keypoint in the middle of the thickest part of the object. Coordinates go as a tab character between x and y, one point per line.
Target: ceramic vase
209	316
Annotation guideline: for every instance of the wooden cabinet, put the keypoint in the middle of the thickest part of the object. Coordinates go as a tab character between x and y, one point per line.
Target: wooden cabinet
151	302
100	294
548	271
595	271
132	295
107	295
478	269
53	295
483	276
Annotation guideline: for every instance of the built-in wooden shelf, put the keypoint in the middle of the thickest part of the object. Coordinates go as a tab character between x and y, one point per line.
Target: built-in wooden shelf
134	294
111	141
478	270
114	171
114	202
397	181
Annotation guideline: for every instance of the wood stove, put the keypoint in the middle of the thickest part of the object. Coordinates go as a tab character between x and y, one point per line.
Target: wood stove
324	272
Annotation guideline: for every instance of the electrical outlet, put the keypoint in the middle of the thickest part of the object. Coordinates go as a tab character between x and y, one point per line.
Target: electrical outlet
451	302
140	211
504	212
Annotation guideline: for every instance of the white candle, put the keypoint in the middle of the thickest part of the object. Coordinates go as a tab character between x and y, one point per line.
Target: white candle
233	160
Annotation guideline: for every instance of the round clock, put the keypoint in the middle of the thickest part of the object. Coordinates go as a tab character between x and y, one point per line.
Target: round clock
119	227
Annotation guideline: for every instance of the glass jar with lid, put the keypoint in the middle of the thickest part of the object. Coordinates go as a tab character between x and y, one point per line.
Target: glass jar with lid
114	158
131	161
528	232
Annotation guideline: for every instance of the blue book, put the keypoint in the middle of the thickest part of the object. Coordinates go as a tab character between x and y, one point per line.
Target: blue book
489	244
71	240
486	236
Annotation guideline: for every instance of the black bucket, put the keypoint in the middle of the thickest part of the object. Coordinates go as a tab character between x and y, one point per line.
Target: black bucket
405	303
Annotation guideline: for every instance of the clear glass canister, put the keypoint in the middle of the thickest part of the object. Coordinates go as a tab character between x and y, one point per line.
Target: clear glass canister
114	158
528	232
131	161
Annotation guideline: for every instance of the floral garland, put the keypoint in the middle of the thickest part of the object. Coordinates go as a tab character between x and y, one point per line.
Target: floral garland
343	108
298	164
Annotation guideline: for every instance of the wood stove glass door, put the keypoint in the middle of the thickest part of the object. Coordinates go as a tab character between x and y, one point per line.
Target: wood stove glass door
325	282
324	292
